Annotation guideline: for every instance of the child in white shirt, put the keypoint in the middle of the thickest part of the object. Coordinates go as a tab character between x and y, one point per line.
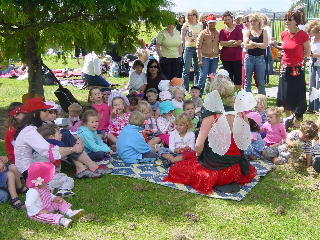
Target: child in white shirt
137	78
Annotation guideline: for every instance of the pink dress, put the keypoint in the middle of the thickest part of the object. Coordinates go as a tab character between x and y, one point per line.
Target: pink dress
117	124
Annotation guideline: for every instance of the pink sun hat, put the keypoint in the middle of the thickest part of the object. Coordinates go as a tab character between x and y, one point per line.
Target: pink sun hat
255	117
40	173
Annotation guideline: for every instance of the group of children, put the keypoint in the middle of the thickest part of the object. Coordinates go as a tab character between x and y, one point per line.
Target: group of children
140	129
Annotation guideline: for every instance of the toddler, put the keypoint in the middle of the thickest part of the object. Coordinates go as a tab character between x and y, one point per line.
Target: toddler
131	145
74	110
254	151
137	78
304	136
96	100
190	108
195	92
41	203
181	140
152	96
10	182
261	107
93	144
274	129
15	115
54	111
166	120
61	181
178	97
119	115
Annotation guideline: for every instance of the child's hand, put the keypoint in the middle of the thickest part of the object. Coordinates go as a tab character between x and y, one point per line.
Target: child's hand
58	199
43	211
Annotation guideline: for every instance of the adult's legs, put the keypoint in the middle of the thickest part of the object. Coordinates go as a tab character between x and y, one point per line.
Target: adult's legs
316	102
248	71
260	67
195	67
187	59
85	160
227	65
204	72
165	67
312	84
175	67
95	80
237	73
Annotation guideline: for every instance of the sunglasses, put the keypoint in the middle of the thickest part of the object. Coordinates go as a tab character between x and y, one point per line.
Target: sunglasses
289	20
52	111
190	15
44	110
154	66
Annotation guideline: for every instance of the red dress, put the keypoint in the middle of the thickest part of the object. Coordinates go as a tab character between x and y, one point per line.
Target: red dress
191	172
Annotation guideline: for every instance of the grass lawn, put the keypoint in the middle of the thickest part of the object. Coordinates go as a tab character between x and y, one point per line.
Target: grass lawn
283	205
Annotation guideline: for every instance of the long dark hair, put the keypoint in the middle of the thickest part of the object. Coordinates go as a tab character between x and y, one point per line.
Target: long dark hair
152	61
254	127
12	121
32	118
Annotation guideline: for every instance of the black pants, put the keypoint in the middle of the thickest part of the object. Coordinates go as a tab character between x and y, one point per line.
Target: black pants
170	67
235	71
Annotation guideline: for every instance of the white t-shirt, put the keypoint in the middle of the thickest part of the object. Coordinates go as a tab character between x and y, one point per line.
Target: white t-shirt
315	48
92	65
33	202
176	141
177	104
137	80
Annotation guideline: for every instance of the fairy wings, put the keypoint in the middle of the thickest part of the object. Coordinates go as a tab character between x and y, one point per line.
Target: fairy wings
219	136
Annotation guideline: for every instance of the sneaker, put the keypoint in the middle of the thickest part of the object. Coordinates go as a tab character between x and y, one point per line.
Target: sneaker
64	193
65	222
74	213
103	170
87	174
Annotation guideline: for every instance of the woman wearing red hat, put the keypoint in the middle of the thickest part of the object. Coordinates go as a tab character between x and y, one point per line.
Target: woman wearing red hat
28	139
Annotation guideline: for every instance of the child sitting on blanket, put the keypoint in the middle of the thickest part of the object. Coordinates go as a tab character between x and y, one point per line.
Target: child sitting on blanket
181	140
190	108
254	151
41	203
261	107
61	181
152	96
166	120
131	145
74	122
93	144
195	92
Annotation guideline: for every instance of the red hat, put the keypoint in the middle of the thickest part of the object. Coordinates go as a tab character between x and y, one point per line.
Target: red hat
40	173
211	18
34	104
17	111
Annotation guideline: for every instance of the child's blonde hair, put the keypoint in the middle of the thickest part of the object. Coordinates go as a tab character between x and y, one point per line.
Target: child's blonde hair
143	107
185	119
277	111
262	100
76	107
223	84
90	93
126	107
137	118
175	89
309	129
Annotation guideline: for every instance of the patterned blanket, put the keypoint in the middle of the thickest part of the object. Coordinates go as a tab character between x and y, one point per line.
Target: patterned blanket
154	172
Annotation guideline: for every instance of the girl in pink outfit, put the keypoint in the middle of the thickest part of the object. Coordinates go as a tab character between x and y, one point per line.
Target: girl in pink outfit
119	116
96	100
41	203
274	129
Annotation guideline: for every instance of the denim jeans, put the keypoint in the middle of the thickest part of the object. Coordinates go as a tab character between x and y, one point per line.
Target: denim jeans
255	64
209	65
189	54
314	82
95	80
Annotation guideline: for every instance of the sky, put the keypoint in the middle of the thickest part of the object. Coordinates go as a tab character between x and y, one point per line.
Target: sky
233	5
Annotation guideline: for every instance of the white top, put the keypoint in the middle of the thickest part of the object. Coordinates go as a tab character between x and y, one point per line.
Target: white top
33	202
136	81
92	65
269	32
176	141
29	139
177	104
315	48
165	125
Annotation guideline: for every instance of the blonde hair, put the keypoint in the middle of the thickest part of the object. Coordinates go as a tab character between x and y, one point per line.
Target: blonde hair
225	88
192	11
258	17
143	106
185	119
126	107
262	100
275	111
143	53
75	107
175	89
202	17
311	25
137	118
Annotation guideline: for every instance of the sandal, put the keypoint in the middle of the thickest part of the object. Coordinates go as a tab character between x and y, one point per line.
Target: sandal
15	205
22	190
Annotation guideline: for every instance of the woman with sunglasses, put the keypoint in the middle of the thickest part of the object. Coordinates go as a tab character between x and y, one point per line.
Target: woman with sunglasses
154	76
189	34
255	40
27	140
292	85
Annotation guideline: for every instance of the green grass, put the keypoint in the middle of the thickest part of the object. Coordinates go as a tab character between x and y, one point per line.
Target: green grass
283	205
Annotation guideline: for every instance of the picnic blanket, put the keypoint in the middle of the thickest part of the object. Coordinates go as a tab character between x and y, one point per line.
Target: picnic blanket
154	172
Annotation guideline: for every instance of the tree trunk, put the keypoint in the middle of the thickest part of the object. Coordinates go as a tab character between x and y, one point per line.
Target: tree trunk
34	63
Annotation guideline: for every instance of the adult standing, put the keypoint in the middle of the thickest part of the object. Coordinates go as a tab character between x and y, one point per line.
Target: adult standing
189	33
255	41
91	71
230	39
169	50
292	85
208	50
154	75
28	140
181	21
